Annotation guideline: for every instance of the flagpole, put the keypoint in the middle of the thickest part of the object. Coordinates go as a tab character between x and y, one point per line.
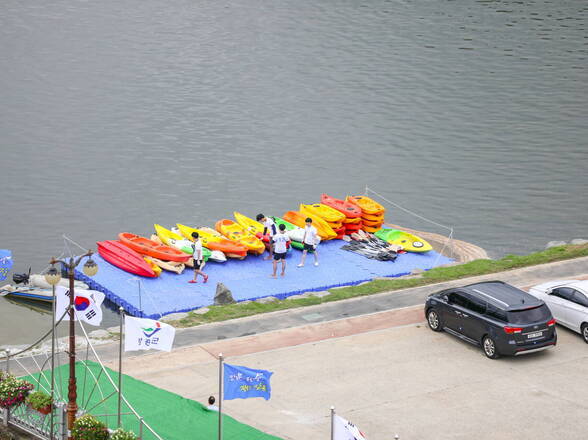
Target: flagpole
332	423
52	363
120	354
220	396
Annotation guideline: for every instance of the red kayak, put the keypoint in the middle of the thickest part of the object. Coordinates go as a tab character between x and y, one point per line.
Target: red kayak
124	258
149	247
349	209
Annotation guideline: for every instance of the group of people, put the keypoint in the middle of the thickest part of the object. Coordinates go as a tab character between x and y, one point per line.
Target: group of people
277	246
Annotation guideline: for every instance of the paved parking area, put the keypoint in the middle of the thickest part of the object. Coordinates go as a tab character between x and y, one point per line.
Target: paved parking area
403	379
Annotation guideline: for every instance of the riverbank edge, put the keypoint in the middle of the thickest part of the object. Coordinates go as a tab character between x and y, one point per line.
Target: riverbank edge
380	285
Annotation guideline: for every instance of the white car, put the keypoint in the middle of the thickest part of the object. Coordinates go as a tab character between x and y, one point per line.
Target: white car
568	302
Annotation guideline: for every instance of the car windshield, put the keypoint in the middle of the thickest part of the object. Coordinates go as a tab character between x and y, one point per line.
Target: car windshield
527	316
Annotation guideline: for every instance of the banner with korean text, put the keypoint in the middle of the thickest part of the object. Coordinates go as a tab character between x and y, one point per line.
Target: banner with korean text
148	334
243	383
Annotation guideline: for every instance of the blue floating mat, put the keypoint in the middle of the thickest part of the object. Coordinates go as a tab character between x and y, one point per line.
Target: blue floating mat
248	279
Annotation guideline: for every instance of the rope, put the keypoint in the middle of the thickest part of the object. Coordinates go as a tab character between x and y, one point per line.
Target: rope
368	190
65	237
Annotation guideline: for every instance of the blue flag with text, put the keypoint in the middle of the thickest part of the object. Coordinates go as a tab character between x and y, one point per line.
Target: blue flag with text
243	383
5	263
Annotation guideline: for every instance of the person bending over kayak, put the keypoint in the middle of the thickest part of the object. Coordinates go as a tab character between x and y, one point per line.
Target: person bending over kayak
281	242
198	260
269	227
310	241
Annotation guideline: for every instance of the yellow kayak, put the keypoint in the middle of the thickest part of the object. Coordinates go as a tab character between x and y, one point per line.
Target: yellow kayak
252	226
236	232
153	266
367	205
215	241
325	212
324	230
408	241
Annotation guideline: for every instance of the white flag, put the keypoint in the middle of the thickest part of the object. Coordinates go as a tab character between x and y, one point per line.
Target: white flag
147	334
345	430
87	305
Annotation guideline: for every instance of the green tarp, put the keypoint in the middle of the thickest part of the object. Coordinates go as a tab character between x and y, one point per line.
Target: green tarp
171	416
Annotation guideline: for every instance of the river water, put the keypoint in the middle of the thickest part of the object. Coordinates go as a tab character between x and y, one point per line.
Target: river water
115	115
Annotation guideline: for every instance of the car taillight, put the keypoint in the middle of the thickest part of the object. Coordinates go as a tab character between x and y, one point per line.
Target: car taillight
511	330
551	323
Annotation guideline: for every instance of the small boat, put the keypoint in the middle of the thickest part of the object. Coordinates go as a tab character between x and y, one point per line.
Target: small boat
350	210
298	218
124	258
145	246
252	226
236	232
176	241
367	205
295	233
27	292
325	212
409	242
215	241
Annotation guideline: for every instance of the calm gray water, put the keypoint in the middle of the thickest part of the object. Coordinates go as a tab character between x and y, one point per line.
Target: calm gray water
115	115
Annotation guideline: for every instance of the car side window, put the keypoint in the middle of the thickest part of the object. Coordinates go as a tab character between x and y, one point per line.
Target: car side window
564	293
580	298
475	304
457	299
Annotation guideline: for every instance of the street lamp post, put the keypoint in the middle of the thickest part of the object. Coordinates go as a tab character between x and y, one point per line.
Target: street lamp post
53	277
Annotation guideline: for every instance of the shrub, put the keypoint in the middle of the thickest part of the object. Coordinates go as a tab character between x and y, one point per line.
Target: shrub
121	434
39	400
89	427
13	391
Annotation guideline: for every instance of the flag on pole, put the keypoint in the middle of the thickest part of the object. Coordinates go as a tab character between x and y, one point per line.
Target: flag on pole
345	430
147	334
87	305
5	263
242	383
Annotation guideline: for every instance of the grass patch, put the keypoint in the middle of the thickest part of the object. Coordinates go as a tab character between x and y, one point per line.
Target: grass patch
436	275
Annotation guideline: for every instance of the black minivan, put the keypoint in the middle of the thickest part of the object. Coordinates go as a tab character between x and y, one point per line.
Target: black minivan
500	318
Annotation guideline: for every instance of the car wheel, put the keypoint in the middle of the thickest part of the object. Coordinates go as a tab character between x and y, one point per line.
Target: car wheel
434	320
585	332
489	347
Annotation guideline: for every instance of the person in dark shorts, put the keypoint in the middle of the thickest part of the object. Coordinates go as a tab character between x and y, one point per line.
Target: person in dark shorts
281	242
198	260
310	241
269	228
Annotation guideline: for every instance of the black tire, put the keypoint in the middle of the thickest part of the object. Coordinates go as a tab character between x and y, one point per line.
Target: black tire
489	347
434	320
584	331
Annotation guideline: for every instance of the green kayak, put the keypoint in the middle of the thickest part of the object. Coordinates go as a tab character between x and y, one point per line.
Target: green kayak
409	242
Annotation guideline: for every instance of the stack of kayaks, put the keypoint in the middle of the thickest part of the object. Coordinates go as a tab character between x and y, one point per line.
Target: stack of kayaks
409	242
330	215
124	258
144	246
174	240
352	221
372	213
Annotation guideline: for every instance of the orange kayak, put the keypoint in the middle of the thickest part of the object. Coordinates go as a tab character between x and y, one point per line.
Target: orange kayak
367	205
298	218
349	209
236	232
144	246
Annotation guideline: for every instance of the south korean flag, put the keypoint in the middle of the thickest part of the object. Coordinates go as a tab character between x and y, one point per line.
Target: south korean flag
87	305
